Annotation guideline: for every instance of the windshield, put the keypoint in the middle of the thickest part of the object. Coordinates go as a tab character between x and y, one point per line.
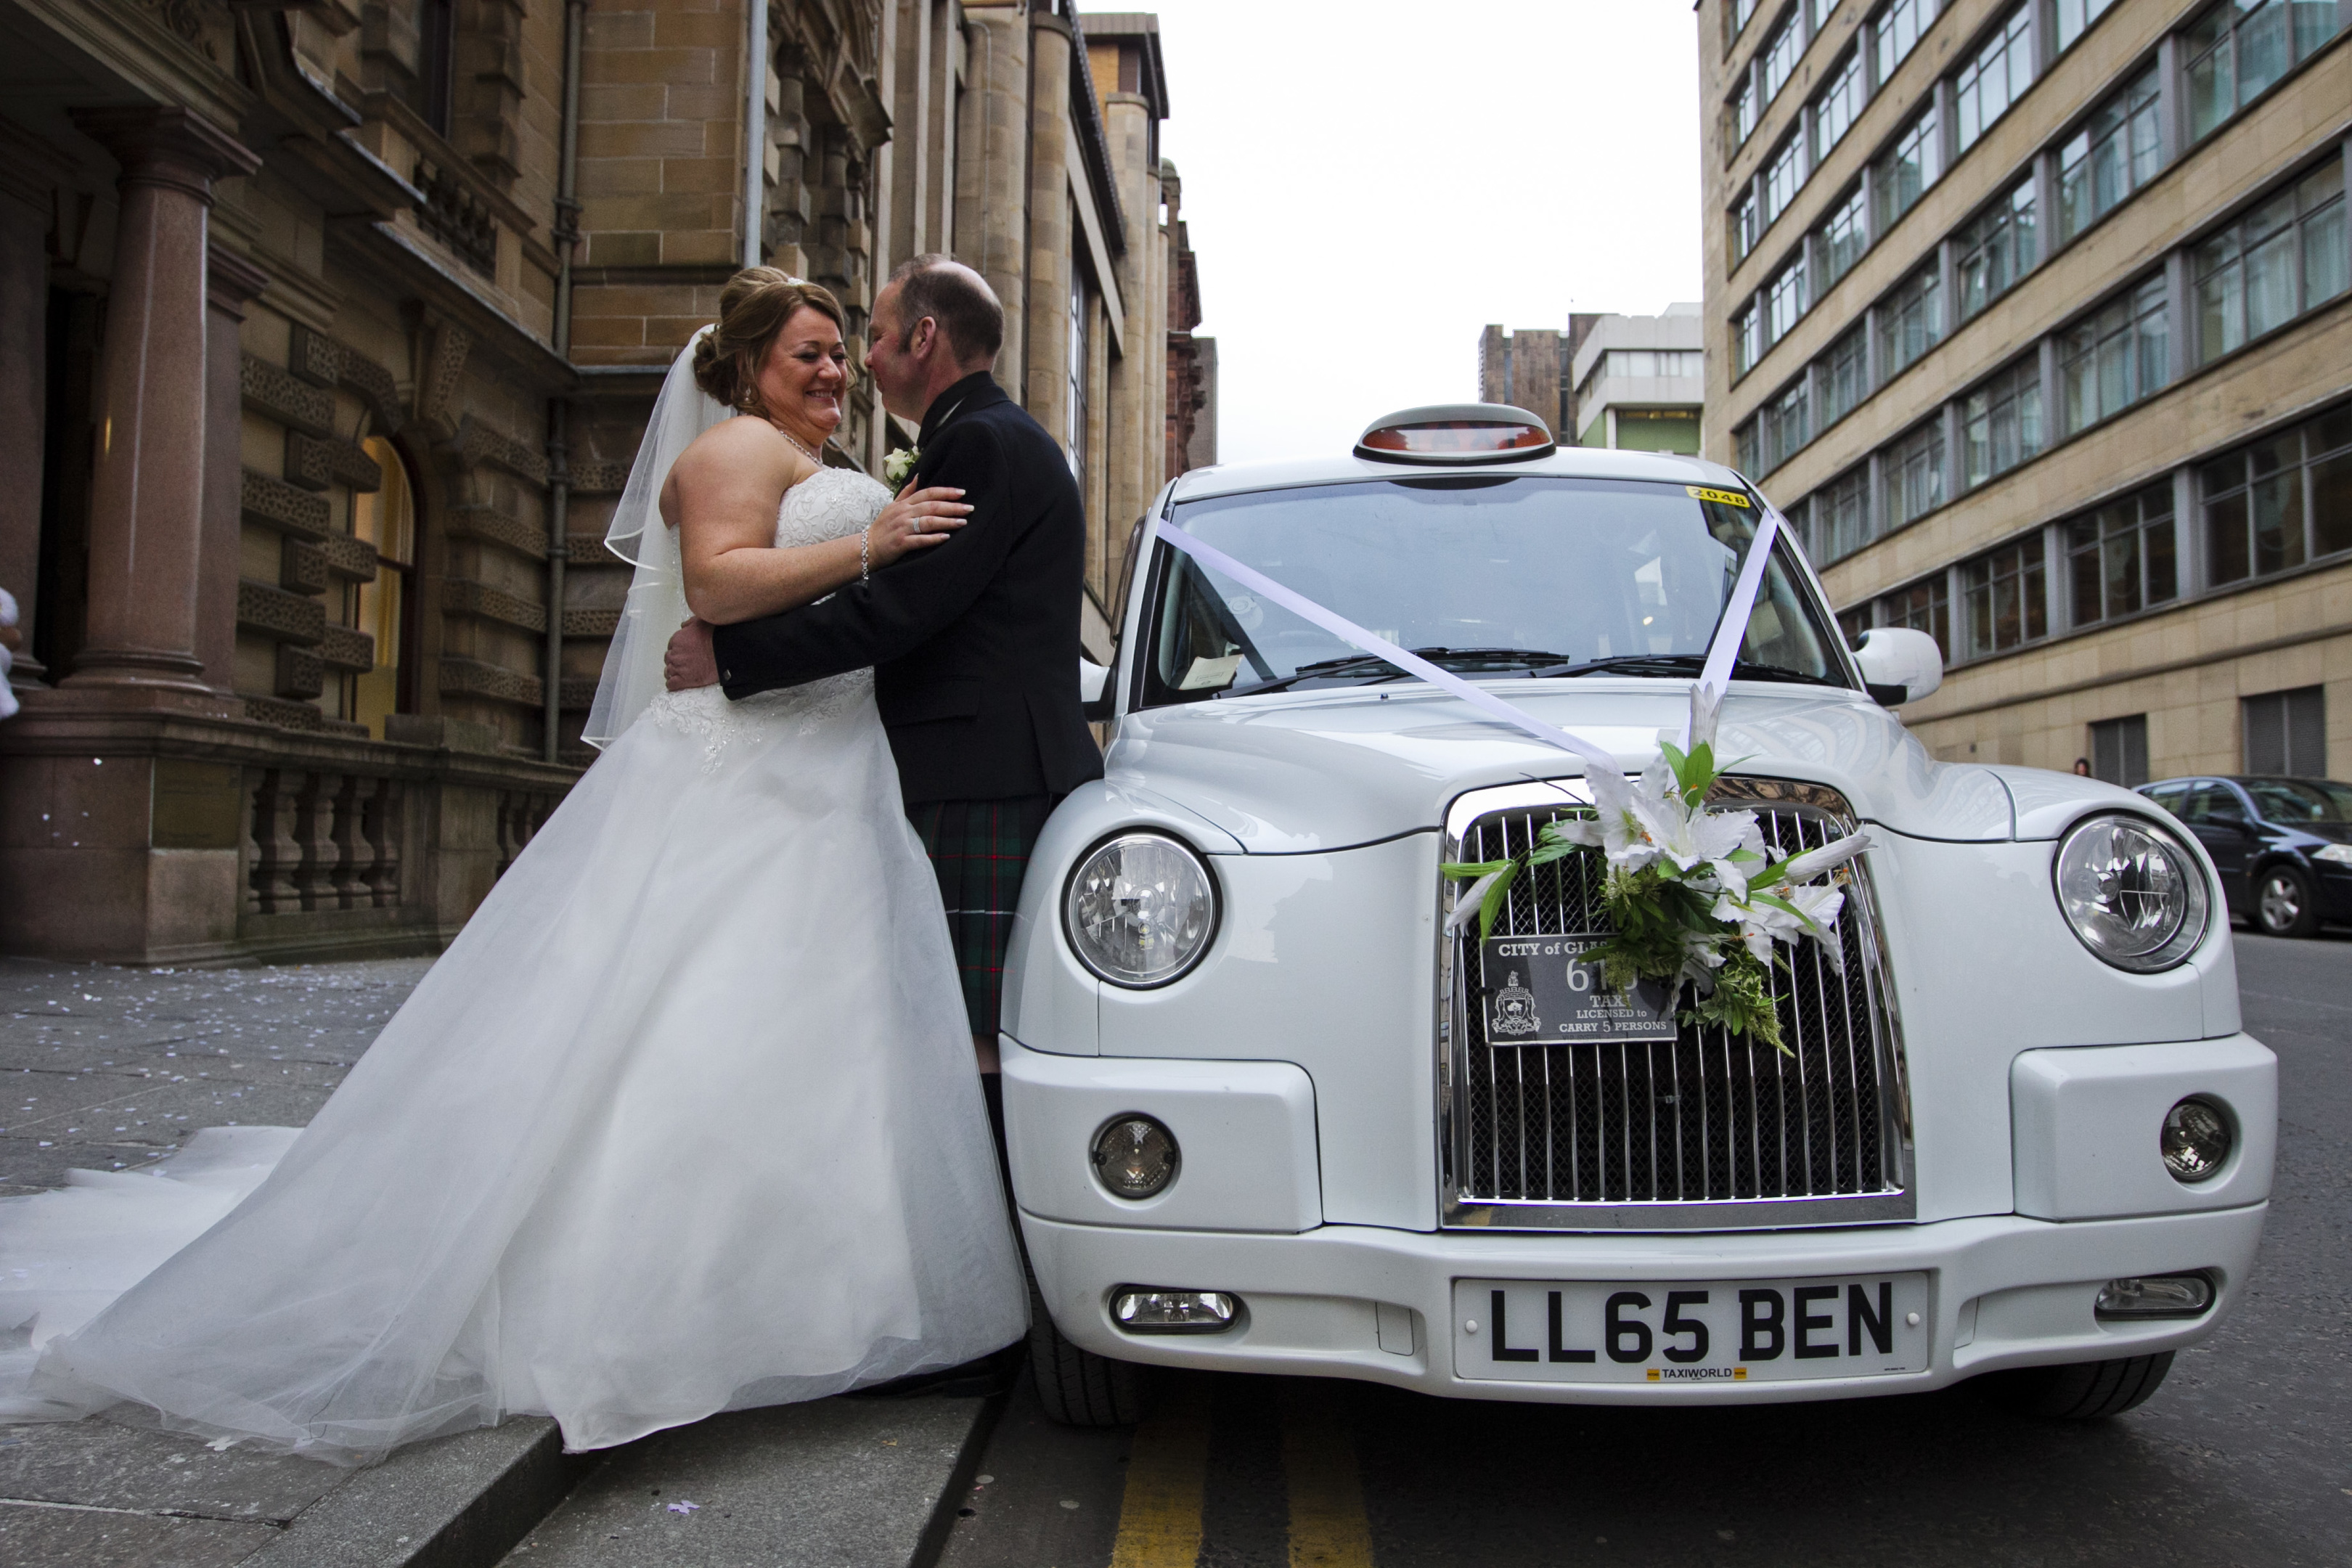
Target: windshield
1486	575
2300	800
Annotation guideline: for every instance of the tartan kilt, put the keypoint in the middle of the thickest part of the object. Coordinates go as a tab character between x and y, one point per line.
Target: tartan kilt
980	850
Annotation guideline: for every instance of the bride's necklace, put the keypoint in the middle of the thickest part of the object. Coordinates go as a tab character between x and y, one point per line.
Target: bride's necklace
797	442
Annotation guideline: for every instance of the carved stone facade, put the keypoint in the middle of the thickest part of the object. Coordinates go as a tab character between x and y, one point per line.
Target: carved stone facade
330	332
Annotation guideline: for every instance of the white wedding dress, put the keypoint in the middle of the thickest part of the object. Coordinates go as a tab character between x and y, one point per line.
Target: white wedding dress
685	1120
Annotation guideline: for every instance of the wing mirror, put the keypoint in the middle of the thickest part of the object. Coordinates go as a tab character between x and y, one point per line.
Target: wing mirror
1900	665
1094	692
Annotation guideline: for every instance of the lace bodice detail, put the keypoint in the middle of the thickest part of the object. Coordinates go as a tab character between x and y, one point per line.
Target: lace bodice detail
831	504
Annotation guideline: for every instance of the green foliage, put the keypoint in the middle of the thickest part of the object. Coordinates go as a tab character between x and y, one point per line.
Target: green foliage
1741	1001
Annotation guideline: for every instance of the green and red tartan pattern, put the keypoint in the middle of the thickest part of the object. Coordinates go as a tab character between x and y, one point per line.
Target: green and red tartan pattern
980	849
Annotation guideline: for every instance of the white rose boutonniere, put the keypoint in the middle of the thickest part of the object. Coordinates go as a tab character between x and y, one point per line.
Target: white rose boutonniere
900	463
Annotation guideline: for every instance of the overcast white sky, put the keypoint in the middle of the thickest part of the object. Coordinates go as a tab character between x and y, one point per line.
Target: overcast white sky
1369	183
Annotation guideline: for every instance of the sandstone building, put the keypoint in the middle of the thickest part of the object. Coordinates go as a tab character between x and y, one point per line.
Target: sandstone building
328	332
2034	316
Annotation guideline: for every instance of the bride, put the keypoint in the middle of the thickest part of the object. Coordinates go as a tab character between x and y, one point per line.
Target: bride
686	1120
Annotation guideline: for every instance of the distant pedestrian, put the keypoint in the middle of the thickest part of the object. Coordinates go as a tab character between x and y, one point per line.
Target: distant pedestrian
2082	767
11	640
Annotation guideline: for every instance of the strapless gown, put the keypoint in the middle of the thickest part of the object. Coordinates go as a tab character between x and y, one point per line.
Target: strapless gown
685	1120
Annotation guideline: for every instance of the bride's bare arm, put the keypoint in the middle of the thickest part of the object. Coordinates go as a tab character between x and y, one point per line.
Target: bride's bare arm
722	497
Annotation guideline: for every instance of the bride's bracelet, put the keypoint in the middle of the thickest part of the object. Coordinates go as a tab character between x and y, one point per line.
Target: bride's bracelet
865	544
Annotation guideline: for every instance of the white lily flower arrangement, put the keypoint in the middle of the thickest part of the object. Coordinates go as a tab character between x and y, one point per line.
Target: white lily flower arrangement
898	463
1696	895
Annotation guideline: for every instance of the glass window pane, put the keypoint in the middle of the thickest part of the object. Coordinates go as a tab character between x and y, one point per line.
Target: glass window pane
2331	504
2226	542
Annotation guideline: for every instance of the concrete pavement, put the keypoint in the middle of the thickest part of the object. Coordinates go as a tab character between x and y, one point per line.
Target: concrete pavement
110	1070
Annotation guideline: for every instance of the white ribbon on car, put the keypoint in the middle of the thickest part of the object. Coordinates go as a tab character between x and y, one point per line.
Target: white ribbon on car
1713	675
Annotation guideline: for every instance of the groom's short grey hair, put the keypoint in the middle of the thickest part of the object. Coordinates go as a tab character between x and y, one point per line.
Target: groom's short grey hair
957	298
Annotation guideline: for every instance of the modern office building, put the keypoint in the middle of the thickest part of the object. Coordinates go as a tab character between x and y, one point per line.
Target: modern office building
1638	382
2033	315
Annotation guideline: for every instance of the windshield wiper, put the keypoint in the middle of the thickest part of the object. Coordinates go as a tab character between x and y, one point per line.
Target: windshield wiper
1679	664
1369	663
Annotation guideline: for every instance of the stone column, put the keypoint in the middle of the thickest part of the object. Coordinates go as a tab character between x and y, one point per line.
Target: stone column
23	392
1052	258
1133	468
991	166
146	525
230	282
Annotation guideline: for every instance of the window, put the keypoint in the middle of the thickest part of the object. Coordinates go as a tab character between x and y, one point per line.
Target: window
1779	56
2119	750
2240	47
1844	372
1747	343
2117	150
2121	559
437	55
2008	599
2278	261
1842	515
1743	225
1744	447
2284	499
2070	19
1896	31
1840	104
1910	321
1924	607
1079	313
1653	363
1784	301
2001	422
1781	177
1996	77
2286	733
1853	622
386	610
2114	358
1736	17
1844	235
1782	428
1740	112
1905	171
1915	475
1994	250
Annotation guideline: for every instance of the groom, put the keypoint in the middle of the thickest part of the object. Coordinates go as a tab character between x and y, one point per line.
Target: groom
974	643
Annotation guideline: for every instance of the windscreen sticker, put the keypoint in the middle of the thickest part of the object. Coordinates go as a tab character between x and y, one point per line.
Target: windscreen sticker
1729	498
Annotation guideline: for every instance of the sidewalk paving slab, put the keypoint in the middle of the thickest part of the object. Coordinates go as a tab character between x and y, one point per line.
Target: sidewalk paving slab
839	1483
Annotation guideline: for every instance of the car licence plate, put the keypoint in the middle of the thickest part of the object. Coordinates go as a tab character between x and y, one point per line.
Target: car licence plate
1690	1331
1539	991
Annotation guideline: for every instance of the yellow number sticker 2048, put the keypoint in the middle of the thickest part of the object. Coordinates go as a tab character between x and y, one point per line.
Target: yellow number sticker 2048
1729	498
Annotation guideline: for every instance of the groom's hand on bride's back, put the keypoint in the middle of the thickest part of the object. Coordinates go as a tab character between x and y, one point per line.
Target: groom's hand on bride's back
690	662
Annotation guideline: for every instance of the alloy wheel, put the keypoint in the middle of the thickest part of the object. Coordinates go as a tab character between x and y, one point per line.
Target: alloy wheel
2282	904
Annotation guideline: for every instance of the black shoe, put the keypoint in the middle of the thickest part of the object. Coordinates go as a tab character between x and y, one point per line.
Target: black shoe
989	1376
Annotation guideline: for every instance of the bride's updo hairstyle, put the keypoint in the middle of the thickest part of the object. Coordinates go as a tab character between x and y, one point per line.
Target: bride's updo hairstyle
752	309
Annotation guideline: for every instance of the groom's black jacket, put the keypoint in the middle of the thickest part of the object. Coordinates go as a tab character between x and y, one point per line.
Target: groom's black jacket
974	643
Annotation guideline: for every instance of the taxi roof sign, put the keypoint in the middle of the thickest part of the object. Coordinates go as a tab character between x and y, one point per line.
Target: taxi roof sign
1457	433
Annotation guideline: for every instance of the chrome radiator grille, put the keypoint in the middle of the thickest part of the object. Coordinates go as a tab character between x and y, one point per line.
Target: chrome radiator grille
1706	1131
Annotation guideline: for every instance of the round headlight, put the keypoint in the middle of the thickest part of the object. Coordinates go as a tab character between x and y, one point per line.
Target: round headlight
2132	894
1140	910
2196	1140
1135	1157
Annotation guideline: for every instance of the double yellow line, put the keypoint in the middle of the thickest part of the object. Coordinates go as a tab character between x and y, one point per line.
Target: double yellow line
1167	1482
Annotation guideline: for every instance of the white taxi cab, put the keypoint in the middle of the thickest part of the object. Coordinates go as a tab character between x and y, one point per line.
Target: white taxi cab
1271	1109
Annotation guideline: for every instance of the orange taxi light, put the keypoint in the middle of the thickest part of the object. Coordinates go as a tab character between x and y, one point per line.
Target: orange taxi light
1456	435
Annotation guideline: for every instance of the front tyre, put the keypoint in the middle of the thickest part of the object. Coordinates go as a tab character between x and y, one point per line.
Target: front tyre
2085	1390
2283	905
1077	1387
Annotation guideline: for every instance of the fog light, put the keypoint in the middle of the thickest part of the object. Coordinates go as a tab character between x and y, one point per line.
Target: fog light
1148	1312
2196	1140
2156	1296
1135	1157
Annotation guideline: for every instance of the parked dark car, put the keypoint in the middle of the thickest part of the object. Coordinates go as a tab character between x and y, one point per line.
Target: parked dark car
2283	847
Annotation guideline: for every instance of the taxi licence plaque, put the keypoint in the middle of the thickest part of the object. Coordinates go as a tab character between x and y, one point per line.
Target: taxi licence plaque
1693	1333
1539	991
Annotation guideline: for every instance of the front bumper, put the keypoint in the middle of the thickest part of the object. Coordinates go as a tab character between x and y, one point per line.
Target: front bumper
1375	1304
